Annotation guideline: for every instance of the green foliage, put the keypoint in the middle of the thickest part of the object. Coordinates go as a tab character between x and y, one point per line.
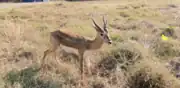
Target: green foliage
12	77
116	38
26	78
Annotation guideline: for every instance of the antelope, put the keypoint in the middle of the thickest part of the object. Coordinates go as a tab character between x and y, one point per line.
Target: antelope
78	42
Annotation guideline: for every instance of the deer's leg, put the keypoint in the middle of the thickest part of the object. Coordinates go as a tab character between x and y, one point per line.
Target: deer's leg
48	51
88	66
81	53
57	59
53	46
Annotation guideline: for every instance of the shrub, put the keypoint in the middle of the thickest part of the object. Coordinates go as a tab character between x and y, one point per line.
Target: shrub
144	78
121	57
166	50
26	78
169	32
174	66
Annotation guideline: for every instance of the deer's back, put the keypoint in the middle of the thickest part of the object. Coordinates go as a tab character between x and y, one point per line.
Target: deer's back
69	39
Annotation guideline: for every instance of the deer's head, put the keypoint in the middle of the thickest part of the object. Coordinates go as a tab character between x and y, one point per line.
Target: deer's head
103	32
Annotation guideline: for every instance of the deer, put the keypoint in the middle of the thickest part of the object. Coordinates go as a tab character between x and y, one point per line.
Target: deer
79	42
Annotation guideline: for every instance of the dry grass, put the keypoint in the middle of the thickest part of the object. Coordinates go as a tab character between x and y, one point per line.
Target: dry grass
136	59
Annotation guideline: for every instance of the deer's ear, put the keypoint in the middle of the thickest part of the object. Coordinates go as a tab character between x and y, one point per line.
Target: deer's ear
98	29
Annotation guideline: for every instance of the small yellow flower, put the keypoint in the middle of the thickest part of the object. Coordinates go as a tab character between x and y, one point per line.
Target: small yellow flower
163	37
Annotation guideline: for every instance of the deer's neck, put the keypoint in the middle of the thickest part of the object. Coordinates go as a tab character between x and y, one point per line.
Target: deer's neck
96	43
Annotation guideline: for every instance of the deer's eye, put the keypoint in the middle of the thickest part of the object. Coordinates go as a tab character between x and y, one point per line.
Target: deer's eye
101	34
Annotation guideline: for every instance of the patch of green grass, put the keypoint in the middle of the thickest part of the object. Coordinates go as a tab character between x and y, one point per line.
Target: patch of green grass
27	79
116	37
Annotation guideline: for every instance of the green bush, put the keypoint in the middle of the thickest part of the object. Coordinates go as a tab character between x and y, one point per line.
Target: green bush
26	78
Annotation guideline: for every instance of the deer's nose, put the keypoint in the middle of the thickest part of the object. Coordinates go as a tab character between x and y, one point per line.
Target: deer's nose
110	42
